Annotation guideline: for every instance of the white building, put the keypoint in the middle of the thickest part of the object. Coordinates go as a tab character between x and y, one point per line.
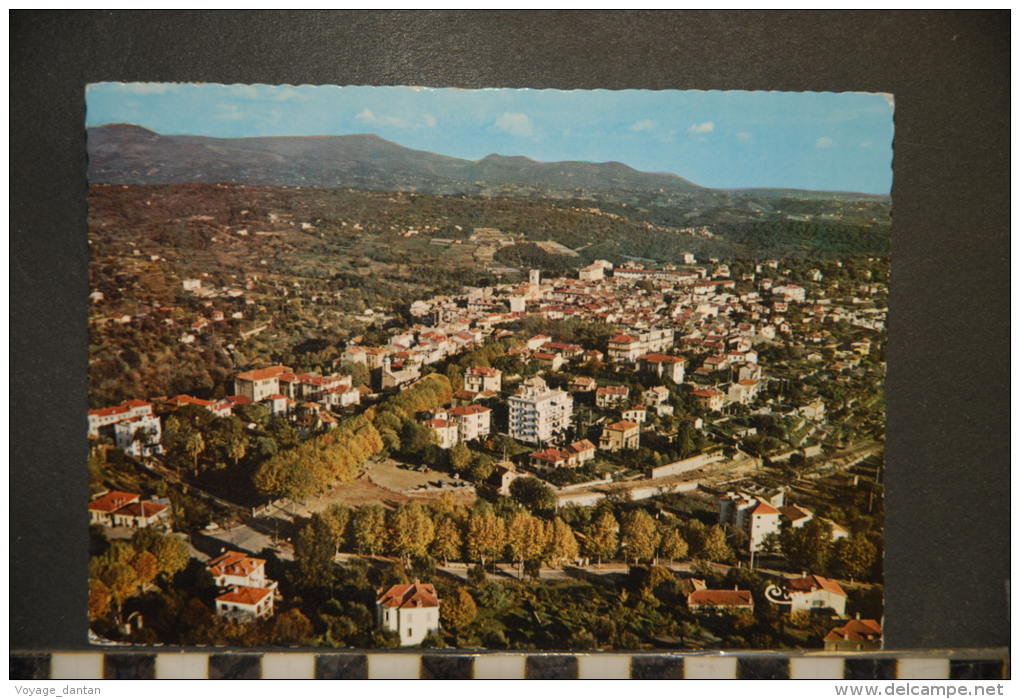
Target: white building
473	421
813	592
446	431
128	410
411	611
246	603
235	568
259	383
538	413
751	514
483	378
139	436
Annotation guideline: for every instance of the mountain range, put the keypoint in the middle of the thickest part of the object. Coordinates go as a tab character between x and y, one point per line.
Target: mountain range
129	154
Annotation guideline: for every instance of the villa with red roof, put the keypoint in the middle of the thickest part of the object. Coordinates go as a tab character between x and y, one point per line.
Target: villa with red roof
659	365
101	509
246	603
856	634
473	421
813	592
259	383
483	378
716	601
411	611
235	568
128	410
756	517
622	434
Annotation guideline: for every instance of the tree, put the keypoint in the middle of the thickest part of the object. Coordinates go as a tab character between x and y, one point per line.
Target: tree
533	494
602	538
458	610
480	468
194	447
145	566
715	548
673	545
485	536
171	554
854	556
808	547
411	531
336	518
525	537
314	549
415	438
640	536
369	529
562	544
446	544
99	599
290	628
122	581
460	457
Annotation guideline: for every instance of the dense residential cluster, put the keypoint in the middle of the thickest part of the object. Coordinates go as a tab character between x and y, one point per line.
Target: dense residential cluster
624	429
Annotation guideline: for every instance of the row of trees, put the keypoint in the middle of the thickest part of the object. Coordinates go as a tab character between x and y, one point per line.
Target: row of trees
485	533
312	466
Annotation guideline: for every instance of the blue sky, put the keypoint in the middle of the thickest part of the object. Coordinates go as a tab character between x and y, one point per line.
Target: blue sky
807	140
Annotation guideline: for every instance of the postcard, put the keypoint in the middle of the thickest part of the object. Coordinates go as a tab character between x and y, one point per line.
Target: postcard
505	369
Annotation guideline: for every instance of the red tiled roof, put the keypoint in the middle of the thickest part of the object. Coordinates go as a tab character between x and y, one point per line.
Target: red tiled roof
141	509
468	410
622	425
721	598
410	596
112	410
622	339
234	563
707	392
464	394
552	455
763	508
482	371
113	500
581	445
437	423
856	630
612	390
815	582
268	372
245	595
657	358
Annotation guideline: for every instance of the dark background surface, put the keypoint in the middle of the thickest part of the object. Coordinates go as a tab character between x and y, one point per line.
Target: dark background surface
947	559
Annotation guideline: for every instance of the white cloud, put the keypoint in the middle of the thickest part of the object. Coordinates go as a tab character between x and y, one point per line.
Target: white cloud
704	127
643	125
515	124
866	144
824	142
743	136
367	116
228	112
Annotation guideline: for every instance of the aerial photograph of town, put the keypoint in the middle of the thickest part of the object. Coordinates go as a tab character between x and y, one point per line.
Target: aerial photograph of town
505	369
